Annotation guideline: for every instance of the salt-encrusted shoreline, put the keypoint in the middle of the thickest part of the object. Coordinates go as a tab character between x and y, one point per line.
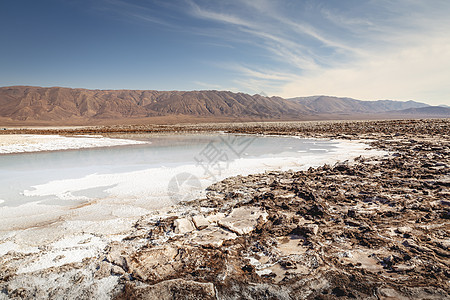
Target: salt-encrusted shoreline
129	198
373	229
20	143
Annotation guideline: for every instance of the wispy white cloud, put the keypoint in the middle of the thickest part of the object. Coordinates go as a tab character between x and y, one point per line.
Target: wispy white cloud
284	50
255	85
413	73
400	50
136	12
262	74
206	85
370	49
231	19
407	57
267	28
272	12
349	23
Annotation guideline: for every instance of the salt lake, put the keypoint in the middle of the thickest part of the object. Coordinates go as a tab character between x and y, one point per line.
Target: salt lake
106	189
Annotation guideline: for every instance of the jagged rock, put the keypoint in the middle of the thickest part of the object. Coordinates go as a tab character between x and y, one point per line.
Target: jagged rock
116	270
213	237
404	229
170	289
242	220
311	229
183	226
117	255
200	222
214	218
105	269
403	268
388	293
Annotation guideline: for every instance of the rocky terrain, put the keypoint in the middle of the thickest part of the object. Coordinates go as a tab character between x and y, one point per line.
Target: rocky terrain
373	228
25	105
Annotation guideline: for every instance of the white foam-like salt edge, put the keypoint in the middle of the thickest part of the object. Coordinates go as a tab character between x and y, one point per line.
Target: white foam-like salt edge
152	183
36	143
147	189
67	250
90	135
12	246
134	194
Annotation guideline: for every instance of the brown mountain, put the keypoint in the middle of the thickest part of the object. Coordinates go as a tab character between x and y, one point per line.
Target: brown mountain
429	111
24	105
49	104
336	105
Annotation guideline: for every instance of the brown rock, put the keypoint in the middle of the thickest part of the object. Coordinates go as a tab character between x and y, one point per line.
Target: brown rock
243	220
170	289
183	226
200	222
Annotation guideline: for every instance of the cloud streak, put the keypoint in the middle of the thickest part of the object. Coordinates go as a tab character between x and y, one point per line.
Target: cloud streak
366	49
401	51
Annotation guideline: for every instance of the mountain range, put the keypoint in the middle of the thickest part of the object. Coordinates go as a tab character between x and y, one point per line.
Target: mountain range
327	104
26	104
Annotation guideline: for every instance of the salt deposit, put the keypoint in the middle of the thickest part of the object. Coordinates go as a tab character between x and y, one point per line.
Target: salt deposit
33	143
71	233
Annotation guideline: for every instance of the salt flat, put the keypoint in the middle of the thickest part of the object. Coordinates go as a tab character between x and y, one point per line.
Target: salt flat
56	195
18	143
316	216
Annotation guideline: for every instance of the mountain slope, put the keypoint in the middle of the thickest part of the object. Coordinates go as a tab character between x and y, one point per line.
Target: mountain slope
336	105
435	111
36	103
56	105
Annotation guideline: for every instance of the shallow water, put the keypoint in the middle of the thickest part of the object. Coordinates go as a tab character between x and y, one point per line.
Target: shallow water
24	176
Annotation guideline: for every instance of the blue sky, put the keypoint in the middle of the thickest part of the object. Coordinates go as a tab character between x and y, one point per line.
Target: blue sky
365	49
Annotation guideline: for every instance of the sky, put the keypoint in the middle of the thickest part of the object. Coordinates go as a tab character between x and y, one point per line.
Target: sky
363	49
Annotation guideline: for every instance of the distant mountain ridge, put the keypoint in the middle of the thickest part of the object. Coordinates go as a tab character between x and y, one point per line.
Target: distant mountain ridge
36	103
329	104
424	111
57	104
